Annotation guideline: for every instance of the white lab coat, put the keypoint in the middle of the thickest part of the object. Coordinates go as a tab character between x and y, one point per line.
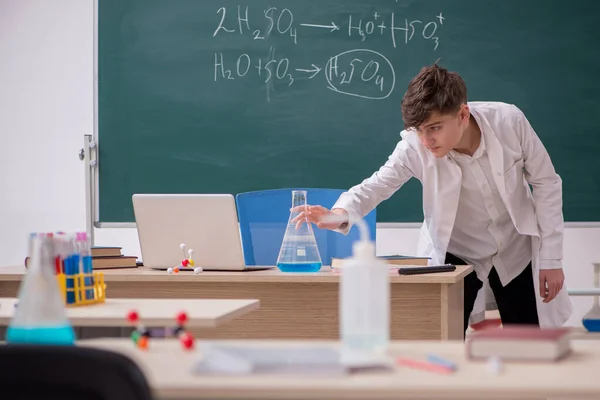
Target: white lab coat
518	158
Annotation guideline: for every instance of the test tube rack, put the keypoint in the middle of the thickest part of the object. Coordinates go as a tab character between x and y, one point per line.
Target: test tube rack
82	294
96	288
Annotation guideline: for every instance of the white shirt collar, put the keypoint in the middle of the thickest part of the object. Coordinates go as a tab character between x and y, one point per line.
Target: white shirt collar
480	149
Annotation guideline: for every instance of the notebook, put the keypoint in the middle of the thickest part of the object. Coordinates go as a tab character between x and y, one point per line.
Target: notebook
392	260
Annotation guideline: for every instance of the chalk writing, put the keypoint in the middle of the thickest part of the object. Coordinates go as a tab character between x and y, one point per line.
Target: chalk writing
332	27
365	66
278	21
345	73
271	69
361	72
363	28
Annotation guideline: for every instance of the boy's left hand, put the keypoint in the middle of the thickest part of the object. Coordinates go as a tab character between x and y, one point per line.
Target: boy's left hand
551	282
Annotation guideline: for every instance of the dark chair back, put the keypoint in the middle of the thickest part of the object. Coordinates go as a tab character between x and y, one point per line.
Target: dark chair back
29	372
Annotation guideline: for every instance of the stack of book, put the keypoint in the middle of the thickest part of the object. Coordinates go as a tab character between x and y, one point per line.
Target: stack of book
394	261
520	343
106	257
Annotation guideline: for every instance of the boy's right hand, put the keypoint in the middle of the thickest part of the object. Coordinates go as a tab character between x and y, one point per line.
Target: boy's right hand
316	214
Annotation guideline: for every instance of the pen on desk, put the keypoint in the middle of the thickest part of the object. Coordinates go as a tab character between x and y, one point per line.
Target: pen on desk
432	358
424	365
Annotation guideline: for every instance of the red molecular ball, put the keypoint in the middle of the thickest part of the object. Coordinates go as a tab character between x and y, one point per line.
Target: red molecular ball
184	263
187	341
182	318
133	316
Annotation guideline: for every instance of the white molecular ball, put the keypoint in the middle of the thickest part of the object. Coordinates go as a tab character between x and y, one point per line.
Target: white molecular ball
197	270
182	246
169	271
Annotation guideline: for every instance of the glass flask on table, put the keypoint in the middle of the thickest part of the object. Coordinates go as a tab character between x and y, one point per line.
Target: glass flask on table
40	316
299	251
591	320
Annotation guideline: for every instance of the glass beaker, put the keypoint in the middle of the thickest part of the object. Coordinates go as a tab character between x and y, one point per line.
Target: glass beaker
591	320
299	251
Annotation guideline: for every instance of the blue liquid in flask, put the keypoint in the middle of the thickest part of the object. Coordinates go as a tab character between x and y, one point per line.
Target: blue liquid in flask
299	267
591	319
592	325
53	335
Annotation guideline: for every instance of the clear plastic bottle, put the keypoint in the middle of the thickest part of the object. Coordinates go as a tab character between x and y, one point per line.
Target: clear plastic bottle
40	317
364	307
299	251
591	320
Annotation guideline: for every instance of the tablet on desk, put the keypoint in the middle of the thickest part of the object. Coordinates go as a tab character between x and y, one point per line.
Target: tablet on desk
429	269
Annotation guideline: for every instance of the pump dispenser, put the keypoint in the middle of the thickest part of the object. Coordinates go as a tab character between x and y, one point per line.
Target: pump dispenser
364	303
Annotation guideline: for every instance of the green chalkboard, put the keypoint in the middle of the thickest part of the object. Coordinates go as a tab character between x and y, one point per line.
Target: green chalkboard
207	96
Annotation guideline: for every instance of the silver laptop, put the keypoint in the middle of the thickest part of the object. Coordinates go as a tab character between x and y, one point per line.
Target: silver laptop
205	223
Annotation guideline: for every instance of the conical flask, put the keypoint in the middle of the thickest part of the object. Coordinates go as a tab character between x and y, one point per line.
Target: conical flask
299	251
40	317
591	319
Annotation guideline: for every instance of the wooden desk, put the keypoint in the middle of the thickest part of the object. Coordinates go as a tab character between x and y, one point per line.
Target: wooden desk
292	305
153	312
167	369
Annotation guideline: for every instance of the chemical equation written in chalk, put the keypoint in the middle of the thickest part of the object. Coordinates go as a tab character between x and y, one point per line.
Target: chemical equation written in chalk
372	70
359	72
282	22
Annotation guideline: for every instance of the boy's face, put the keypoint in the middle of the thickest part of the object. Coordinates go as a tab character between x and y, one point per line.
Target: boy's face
440	133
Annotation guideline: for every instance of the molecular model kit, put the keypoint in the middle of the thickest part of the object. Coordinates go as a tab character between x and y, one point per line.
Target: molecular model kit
141	336
186	263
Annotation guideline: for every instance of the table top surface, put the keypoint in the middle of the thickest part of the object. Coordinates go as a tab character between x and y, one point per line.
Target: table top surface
144	274
202	313
168	370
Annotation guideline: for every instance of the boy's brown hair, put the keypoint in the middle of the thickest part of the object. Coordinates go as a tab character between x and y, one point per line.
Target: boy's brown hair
433	90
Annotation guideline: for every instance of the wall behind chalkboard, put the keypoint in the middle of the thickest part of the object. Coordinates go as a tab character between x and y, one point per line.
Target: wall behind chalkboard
223	97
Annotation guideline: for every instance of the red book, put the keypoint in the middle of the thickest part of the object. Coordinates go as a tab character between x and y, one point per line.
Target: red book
519	343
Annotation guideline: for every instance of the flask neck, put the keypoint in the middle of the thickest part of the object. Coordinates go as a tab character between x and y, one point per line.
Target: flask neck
43	254
298	198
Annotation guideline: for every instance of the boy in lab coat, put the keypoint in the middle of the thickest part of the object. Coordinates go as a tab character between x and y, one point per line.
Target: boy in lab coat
475	161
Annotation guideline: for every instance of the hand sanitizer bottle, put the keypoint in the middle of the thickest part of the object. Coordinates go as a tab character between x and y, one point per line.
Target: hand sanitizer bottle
364	305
